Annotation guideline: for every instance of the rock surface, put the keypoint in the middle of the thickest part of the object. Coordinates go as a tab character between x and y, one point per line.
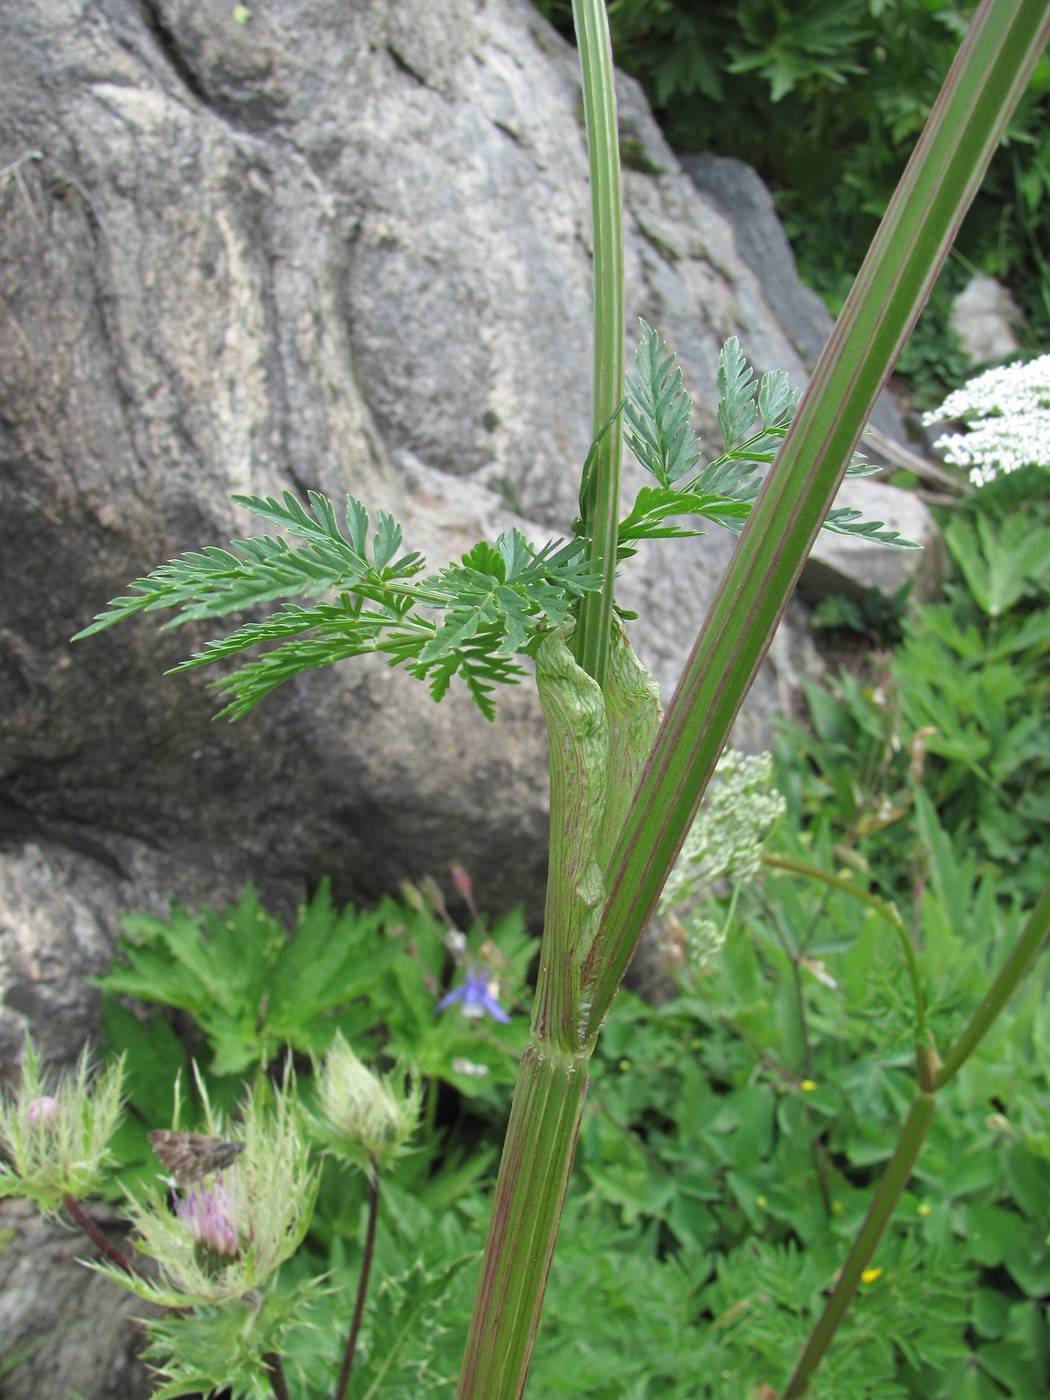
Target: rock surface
340	248
336	247
984	316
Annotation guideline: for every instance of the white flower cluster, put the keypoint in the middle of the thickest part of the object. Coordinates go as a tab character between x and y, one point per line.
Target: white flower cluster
1007	412
727	836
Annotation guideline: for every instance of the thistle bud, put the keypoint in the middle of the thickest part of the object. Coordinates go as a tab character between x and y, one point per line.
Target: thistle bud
58	1144
365	1117
43	1113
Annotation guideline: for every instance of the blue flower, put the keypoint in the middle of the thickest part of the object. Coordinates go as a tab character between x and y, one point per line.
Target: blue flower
478	995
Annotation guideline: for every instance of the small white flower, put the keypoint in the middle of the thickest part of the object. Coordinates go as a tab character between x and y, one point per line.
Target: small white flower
456	943
469	1068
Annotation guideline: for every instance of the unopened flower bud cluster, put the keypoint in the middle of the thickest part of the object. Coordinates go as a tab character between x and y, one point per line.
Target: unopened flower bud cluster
729	831
367	1118
1007	412
57	1144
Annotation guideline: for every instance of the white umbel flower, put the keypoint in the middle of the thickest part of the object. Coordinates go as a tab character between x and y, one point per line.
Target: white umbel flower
1007	414
728	834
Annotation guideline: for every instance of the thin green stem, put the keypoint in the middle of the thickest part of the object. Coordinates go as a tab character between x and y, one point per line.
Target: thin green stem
600	498
430	1107
912	1136
885	910
362	1282
994	64
530	1193
1010	977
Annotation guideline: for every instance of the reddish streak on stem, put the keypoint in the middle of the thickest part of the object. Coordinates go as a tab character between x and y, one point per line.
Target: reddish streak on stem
362	1282
110	1250
277	1376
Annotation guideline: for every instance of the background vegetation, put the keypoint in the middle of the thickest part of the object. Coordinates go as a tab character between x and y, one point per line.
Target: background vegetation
736	1129
826	100
735	1132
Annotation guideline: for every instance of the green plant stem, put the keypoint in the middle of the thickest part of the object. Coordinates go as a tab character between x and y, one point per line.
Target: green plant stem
1010	977
932	1077
600	497
113	1254
881	907
430	1108
362	1282
582	966
912	1136
1004	42
533	1178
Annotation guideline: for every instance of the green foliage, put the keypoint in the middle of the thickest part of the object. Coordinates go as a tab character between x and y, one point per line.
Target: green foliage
959	707
874	616
253	990
734	1135
502	598
373	976
189	1349
666	1328
825	99
494	603
657	428
753	417
409	1337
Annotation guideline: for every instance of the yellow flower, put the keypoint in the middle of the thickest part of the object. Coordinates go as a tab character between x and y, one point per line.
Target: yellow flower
870	1275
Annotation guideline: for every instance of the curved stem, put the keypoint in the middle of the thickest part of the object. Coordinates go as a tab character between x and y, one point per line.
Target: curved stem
912	1136
362	1282
932	1077
881	907
1011	974
110	1250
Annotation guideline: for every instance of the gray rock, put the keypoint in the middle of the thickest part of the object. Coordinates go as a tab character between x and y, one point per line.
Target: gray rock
850	565
78	1330
837	563
739	193
340	249
984	316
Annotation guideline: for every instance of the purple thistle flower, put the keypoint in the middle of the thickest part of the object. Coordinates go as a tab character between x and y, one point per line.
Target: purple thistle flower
208	1216
477	995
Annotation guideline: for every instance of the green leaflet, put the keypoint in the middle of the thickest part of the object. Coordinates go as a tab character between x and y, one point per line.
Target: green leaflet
754	415
472	618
